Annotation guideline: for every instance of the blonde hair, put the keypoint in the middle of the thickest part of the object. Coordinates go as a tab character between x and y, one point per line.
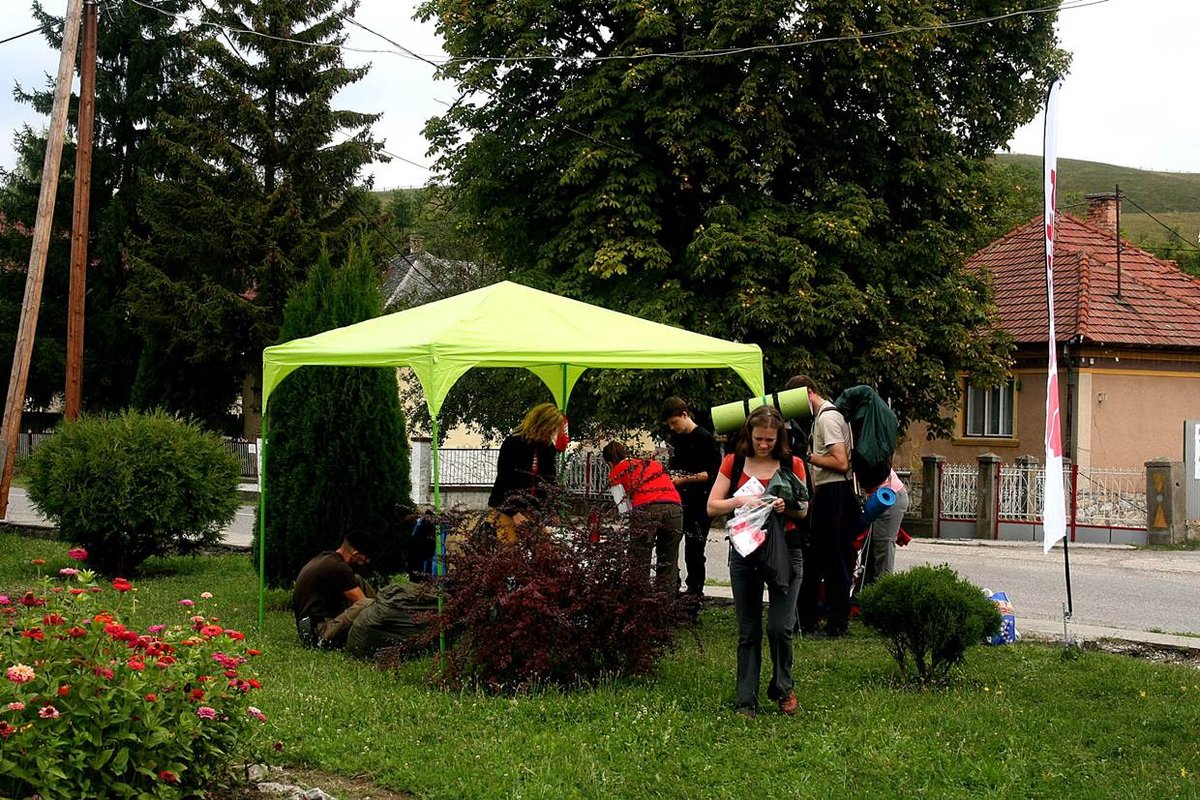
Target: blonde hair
541	424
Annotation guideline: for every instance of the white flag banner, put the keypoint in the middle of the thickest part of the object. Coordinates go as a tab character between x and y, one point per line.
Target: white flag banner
1054	513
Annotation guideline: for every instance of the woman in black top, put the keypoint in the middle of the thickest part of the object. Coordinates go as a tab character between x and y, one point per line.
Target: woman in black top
525	469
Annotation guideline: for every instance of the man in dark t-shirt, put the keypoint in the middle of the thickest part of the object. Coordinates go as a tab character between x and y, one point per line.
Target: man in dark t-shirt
694	462
328	595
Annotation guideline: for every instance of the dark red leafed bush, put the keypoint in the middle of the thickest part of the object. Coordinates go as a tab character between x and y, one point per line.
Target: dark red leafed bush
561	606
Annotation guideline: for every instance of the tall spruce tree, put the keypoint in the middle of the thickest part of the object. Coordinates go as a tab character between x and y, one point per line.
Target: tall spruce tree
338	456
258	181
142	57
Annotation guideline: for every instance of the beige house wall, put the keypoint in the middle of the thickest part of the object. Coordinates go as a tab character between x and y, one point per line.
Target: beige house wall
1127	410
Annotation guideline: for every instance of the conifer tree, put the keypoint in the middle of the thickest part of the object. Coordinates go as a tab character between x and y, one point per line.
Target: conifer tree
337	460
261	175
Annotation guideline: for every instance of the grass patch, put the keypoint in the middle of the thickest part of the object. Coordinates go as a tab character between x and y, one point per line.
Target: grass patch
1017	721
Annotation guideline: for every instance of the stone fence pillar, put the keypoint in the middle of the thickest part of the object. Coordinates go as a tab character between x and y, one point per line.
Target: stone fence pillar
987	489
931	498
1166	505
421	470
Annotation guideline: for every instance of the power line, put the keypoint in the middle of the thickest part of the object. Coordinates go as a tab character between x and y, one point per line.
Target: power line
1165	227
22	35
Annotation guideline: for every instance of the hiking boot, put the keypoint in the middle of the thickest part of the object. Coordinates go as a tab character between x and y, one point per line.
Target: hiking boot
307	632
745	712
789	704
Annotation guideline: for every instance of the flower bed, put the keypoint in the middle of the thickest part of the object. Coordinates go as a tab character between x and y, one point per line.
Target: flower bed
92	708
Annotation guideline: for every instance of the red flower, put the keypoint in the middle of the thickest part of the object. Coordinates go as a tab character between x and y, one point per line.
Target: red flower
37	562
52	619
151	698
135	664
211	631
238	635
77	554
75	590
30	600
164	662
64	690
6	730
121	585
34	633
168	777
253	652
76	632
197	694
254	684
103	618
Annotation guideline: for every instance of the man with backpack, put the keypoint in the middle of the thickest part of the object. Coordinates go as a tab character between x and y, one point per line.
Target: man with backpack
694	462
834	514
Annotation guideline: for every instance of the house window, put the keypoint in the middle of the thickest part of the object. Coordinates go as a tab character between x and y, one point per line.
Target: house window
989	412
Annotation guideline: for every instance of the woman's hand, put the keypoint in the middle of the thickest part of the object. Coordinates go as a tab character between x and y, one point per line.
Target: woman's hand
779	505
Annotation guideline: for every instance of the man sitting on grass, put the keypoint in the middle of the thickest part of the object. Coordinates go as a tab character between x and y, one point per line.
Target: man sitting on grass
328	596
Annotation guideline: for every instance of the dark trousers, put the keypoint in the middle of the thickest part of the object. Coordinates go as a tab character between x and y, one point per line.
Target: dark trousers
747	580
830	553
657	528
696	523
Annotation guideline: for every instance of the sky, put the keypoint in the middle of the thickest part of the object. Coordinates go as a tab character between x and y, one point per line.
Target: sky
1126	100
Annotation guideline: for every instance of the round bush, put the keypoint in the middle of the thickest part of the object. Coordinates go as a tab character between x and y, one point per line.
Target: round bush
134	485
930	616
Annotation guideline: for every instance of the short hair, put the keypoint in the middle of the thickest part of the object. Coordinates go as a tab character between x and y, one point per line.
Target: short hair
356	539
801	381
764	417
673	407
541	424
614	453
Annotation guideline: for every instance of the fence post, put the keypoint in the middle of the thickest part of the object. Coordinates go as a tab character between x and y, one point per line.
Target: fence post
987	488
931	498
1028	464
1166	511
421	469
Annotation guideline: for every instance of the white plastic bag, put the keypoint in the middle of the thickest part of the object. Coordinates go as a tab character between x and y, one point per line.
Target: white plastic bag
747	527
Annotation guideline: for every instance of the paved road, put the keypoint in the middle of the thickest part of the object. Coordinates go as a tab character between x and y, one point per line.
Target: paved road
1118	587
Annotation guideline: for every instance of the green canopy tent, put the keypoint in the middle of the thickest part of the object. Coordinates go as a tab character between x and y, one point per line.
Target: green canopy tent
502	325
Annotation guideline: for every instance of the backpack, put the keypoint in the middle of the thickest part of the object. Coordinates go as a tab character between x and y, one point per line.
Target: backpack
874	429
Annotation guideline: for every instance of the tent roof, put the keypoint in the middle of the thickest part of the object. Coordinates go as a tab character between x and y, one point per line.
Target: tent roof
510	325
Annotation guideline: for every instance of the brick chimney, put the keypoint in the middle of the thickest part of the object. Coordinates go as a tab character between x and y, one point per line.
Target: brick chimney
1102	210
415	244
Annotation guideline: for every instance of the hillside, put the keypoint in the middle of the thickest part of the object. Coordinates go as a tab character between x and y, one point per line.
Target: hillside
1172	197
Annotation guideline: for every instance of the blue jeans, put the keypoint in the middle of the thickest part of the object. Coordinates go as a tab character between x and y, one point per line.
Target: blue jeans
748	583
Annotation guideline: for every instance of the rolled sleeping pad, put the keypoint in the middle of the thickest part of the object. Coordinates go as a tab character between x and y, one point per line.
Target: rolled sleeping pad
730	416
877	502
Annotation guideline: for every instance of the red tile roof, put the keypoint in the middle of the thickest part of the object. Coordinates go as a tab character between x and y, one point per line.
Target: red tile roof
1159	305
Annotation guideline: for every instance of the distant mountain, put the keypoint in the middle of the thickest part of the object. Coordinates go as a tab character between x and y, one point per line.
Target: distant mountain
1171	197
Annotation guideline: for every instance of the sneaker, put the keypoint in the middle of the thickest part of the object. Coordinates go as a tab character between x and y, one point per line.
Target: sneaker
789	704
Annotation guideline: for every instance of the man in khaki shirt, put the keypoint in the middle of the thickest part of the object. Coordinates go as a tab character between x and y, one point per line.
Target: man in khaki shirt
833	514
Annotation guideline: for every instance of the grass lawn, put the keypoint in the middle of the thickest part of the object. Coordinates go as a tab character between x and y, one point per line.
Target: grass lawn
1018	721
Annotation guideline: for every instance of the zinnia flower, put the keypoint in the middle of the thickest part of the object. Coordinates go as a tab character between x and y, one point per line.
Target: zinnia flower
16	706
48	712
68	572
4	600
206	595
168	777
37	562
121	585
77	554
258	715
64	690
187	603
6	730
205	712
151	698
20	673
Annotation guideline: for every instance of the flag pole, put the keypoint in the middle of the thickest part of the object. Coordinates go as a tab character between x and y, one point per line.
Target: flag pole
1054	522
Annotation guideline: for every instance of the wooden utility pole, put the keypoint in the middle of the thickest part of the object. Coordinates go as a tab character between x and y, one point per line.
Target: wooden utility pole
79	221
37	255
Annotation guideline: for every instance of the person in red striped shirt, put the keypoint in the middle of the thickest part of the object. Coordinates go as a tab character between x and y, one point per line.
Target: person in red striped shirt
656	522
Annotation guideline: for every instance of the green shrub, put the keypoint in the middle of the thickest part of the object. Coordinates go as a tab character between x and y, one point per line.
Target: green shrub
134	485
930	617
90	708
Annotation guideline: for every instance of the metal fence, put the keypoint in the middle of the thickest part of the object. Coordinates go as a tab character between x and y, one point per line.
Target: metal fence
28	442
581	473
1100	496
247	455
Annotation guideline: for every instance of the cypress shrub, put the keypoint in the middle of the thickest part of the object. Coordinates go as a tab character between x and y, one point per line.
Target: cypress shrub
337	459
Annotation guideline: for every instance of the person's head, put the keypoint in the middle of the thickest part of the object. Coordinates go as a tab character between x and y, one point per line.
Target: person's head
541	424
350	552
805	382
614	453
764	434
676	415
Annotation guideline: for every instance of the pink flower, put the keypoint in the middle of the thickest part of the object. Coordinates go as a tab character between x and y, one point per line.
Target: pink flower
16	706
77	554
48	712
156	628
68	572
205	712
206	595
258	715
187	603
20	673
4	600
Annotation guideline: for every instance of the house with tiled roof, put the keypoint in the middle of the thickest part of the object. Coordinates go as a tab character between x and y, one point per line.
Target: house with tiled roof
1127	330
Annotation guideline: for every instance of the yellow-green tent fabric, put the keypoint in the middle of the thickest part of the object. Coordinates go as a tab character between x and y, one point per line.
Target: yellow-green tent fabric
502	325
510	325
